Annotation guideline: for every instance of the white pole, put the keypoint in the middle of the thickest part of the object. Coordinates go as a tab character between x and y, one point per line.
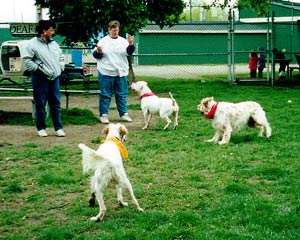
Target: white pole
39	13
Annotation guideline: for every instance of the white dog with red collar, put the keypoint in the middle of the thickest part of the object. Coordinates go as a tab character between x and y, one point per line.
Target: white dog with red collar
152	104
230	117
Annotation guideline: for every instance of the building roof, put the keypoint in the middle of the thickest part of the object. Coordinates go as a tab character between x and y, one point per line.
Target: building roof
203	28
284	11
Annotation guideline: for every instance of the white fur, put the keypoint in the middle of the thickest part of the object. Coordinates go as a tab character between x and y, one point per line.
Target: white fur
106	164
231	117
153	104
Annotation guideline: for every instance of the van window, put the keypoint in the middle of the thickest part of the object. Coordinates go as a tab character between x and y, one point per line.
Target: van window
11	58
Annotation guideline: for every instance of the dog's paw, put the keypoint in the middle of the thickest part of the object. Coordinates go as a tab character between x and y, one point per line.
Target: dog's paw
98	218
123	204
140	209
166	127
95	219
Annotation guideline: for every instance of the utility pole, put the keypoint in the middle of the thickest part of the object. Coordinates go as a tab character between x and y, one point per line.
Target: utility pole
191	13
39	13
230	42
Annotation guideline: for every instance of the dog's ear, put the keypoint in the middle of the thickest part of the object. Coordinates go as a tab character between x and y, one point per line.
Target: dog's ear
123	133
210	99
105	130
206	101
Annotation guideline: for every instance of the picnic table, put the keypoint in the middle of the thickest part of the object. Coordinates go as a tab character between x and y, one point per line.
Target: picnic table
285	62
70	76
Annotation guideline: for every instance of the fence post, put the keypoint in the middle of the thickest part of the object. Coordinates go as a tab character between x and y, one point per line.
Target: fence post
272	52
231	75
268	50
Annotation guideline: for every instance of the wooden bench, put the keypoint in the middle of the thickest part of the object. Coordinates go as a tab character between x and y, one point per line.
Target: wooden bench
66	92
17	98
295	67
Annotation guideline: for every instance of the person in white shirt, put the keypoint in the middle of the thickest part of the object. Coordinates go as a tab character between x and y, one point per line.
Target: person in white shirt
111	53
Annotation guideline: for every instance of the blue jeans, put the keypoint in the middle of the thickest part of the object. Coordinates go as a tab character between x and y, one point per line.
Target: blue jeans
44	91
108	86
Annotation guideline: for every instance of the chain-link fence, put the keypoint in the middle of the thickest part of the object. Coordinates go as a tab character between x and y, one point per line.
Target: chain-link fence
191	50
166	70
195	49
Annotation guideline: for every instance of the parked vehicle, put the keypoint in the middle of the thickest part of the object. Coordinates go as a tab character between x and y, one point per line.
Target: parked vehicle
11	58
11	63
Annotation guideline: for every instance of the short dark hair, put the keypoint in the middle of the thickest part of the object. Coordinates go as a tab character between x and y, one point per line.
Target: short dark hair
44	25
113	24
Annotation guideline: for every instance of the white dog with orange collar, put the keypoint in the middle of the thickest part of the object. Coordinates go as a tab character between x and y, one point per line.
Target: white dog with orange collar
106	165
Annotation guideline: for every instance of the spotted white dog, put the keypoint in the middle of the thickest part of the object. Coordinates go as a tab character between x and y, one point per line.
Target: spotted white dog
106	164
152	104
230	117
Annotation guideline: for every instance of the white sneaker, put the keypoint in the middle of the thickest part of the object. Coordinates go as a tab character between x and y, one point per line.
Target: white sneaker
60	133
126	117
104	119
42	133
282	74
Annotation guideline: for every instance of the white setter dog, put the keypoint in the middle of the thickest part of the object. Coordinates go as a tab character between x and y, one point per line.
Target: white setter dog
230	117
152	104
106	164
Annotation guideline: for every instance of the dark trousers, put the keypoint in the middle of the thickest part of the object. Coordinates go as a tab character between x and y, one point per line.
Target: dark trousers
260	72
253	73
45	90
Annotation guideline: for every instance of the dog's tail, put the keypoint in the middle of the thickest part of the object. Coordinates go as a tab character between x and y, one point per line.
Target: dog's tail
90	158
173	99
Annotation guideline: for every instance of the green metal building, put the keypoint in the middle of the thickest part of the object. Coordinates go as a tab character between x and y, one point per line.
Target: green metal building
196	43
202	42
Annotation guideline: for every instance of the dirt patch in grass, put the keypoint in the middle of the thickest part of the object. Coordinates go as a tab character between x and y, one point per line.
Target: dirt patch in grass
18	135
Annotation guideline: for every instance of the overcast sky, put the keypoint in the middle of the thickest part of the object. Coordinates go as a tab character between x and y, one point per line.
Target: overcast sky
18	11
25	11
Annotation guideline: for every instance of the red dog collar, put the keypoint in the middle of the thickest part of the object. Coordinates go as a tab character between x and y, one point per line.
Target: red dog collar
147	95
212	112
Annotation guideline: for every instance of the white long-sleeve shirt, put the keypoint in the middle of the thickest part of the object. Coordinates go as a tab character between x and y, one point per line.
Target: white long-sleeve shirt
114	59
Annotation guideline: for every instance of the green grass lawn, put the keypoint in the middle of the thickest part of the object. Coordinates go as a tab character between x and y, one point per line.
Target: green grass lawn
190	189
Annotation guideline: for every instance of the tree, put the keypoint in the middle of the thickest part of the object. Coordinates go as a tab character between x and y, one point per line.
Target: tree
81	20
261	7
